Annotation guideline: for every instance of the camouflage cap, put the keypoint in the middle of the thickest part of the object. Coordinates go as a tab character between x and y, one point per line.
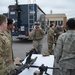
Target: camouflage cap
37	23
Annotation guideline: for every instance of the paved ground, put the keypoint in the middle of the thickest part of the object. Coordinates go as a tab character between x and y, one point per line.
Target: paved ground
20	47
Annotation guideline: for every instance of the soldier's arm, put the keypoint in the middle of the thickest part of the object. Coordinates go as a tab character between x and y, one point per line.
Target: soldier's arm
42	31
33	32
50	37
58	49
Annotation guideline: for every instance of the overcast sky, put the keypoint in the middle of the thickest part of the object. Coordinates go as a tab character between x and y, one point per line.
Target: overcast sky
57	6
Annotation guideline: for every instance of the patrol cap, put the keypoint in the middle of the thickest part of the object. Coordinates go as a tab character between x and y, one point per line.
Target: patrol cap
71	23
37	23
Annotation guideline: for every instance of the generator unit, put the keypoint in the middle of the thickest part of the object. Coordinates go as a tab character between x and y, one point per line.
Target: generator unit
24	16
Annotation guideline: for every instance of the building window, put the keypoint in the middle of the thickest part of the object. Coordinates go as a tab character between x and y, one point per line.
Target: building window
31	16
55	23
61	22
58	22
30	21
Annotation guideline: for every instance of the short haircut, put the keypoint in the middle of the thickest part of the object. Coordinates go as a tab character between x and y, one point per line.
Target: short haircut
51	25
71	23
2	19
10	21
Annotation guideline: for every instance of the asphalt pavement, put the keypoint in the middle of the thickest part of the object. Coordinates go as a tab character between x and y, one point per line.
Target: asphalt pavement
20	47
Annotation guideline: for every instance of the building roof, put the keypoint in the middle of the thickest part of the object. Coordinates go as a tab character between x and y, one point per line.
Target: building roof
55	15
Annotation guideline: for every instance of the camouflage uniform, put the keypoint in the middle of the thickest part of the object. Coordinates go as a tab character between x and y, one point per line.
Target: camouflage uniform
65	53
37	39
5	54
58	31
8	35
50	40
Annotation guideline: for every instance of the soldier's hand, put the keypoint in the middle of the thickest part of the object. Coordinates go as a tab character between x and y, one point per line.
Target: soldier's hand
40	27
34	27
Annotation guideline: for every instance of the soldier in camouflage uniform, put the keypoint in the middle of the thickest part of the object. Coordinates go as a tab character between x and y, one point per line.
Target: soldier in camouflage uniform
5	46
58	31
37	34
8	33
9	28
64	52
50	38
